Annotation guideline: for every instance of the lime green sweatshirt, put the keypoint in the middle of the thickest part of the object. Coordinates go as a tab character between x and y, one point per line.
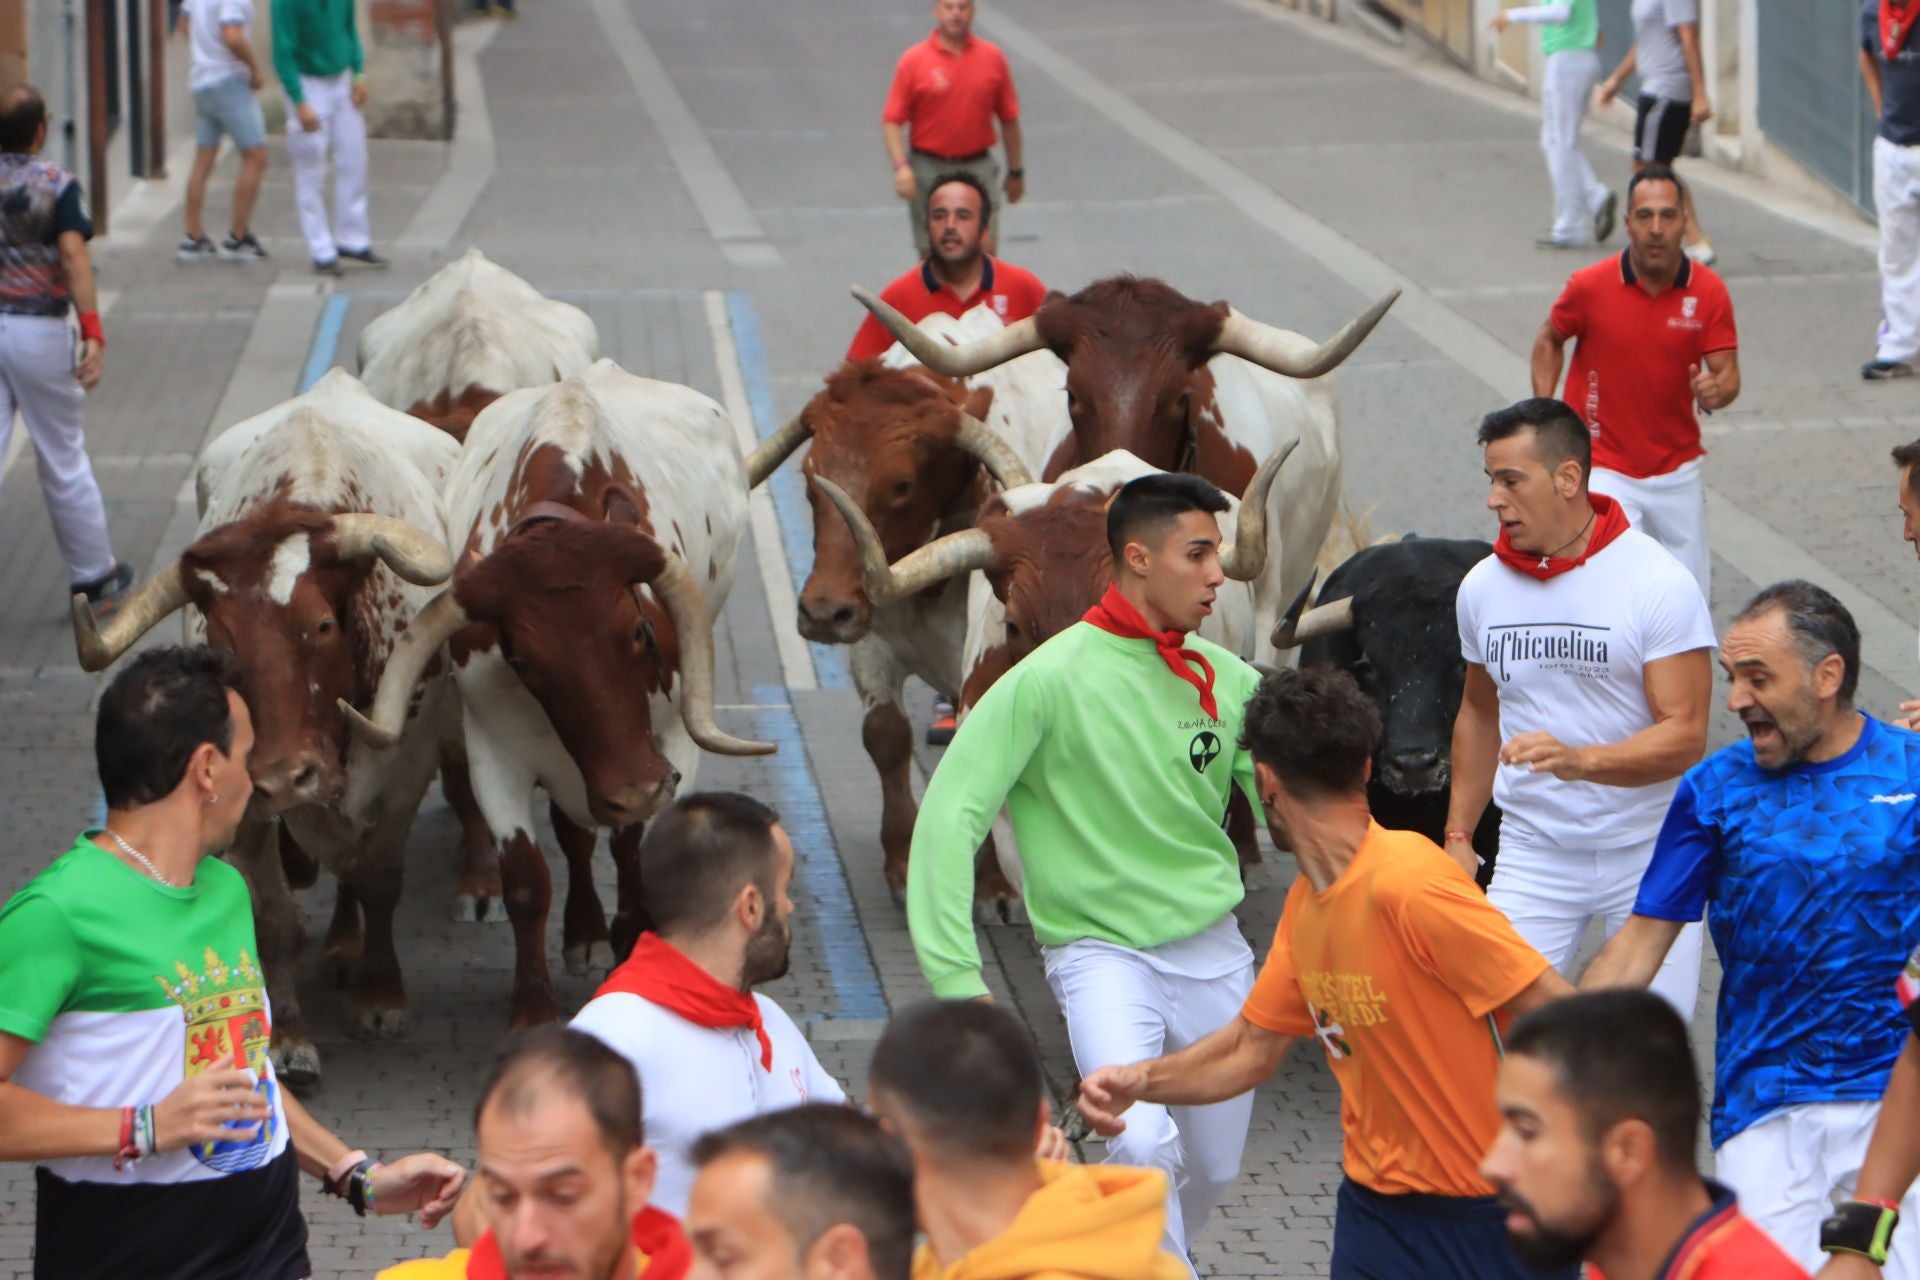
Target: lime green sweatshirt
1116	782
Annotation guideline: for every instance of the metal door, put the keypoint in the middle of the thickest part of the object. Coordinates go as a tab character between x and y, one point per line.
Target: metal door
1813	105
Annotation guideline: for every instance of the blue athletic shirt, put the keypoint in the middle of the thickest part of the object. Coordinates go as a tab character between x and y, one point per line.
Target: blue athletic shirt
1813	876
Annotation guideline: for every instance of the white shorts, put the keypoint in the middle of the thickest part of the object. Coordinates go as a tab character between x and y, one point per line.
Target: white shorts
1671	509
1788	1169
1551	895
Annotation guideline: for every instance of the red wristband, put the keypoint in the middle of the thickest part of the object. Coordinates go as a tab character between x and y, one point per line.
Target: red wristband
129	1150
1460	835
90	327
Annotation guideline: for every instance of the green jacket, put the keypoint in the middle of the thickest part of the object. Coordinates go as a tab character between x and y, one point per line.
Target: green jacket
313	38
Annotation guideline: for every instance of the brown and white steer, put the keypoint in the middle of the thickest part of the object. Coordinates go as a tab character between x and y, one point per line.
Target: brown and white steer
1185	386
470	333
1037	560
319	542
598	521
918	454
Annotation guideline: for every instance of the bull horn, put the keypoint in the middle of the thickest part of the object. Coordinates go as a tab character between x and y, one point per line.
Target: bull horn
1280	349
431	628
927	566
776	449
413	553
1246	559
138	614
680	596
1017	339
994	453
1321	620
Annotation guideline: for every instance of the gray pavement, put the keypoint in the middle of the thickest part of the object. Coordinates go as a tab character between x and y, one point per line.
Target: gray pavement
705	177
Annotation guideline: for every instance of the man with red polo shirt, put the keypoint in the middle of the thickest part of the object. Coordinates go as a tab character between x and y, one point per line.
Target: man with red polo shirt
948	90
1654	336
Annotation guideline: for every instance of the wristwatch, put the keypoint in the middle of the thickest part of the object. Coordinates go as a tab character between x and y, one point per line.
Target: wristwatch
1016	173
1863	1227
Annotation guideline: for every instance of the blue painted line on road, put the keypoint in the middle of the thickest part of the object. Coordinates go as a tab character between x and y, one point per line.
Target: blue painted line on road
326	337
789	500
803	812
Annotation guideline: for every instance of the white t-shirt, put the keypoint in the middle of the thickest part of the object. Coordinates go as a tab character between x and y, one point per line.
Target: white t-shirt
1568	657
212	60
1657	54
694	1079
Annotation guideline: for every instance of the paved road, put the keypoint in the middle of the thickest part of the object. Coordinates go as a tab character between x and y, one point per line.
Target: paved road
705	176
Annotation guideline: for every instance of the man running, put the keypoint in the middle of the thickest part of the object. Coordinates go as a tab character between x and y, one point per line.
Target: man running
1801	846
1117	804
1389	953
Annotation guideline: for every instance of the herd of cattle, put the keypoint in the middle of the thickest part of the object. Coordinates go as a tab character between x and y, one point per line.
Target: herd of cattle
497	557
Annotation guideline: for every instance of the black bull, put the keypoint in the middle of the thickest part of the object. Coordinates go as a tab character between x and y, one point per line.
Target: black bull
1403	648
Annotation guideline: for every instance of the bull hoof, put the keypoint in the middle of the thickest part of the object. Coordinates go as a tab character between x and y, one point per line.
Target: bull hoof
380	1023
469	908
584	958
297	1064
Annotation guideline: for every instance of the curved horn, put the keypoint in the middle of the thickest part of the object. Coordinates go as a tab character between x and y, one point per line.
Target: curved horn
1017	339
680	596
1279	349
1246	559
776	449
995	454
432	627
1321	620
928	566
413	553
138	614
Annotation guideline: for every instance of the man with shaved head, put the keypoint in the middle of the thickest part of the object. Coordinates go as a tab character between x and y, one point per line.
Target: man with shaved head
1115	746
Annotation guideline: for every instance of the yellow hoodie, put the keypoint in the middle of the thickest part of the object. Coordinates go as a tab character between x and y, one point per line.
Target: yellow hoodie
1098	1222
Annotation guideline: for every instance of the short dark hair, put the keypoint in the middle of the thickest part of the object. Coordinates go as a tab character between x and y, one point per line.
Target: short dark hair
967	1071
583	1067
830	1165
154	716
1656	173
1146	503
1558	432
1818	623
22	112
700	852
1904	457
1314	728
1619	1055
965	180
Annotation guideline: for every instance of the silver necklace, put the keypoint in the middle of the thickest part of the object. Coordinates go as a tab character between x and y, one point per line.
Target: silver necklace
140	858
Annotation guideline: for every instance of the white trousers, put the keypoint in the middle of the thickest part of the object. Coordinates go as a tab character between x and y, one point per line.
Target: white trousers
36	378
1896	198
1578	192
1551	894
1671	509
1788	1168
343	135
1120	1009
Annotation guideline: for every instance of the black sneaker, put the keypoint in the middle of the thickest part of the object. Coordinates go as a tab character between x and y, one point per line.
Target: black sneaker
195	249
1603	218
328	268
243	249
363	257
1885	370
105	594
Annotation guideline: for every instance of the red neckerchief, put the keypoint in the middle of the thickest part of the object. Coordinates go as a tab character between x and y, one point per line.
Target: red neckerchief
657	970
1896	24
1116	614
1609	522
656	1234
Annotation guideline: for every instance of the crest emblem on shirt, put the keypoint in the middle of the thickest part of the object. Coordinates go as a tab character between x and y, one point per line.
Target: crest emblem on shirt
1203	750
938	78
1688	306
225	1006
1000	304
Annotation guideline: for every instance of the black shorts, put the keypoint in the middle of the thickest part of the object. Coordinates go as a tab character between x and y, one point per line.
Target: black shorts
1660	128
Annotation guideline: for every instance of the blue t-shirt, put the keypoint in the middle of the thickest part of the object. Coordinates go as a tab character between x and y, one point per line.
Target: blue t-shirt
1899	79
1812	874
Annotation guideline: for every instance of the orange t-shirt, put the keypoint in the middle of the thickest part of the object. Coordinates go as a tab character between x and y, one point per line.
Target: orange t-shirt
1396	968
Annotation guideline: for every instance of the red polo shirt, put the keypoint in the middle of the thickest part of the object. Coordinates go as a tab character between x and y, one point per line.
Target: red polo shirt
1013	292
1723	1244
950	100
1628	376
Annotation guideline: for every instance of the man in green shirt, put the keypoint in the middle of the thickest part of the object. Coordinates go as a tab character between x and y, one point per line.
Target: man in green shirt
135	1025
316	53
1114	747
1583	208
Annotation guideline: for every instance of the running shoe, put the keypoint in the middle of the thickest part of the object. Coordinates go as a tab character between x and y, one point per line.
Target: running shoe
105	594
243	249
1603	218
1885	370
362	258
195	249
941	731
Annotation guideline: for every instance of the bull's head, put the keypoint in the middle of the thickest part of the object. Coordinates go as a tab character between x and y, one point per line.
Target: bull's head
282	589
593	619
909	449
1136	352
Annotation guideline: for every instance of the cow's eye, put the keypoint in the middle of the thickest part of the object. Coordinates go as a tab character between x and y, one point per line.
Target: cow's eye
901	489
1013	630
324	627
